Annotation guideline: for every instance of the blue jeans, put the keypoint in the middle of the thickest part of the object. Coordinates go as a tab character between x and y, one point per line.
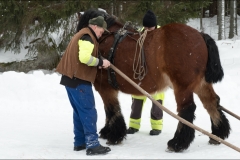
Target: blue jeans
84	115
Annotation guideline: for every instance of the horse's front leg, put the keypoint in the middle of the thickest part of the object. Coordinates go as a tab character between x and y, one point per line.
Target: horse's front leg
115	127
184	134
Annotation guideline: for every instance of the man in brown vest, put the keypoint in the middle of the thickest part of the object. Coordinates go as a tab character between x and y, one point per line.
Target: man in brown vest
78	67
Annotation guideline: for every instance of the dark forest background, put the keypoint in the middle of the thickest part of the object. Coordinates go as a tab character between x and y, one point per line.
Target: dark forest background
31	24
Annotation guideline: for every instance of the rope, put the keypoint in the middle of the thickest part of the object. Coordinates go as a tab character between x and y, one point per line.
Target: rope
139	65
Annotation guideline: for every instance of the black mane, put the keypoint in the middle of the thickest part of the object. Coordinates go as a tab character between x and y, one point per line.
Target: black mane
91	13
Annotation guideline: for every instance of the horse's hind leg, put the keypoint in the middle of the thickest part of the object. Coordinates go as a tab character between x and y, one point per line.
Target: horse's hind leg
211	102
184	134
115	127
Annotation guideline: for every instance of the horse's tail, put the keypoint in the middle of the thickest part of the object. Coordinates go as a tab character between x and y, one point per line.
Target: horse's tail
214	70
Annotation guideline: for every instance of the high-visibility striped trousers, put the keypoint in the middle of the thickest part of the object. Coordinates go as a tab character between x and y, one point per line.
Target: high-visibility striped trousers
156	119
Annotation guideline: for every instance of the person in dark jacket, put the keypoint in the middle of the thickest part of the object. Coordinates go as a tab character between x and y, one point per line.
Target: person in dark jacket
78	67
156	120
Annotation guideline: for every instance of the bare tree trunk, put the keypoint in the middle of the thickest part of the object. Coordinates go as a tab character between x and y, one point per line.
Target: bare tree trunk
114	8
201	16
213	8
221	28
233	19
236	15
227	7
120	9
111	8
218	11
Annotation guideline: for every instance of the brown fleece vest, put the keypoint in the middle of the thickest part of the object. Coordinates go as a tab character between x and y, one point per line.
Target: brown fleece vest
70	65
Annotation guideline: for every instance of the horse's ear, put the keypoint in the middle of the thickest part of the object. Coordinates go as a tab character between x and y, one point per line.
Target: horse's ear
79	16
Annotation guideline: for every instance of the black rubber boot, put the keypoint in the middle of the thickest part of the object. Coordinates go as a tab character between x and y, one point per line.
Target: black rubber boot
79	148
98	150
131	130
155	132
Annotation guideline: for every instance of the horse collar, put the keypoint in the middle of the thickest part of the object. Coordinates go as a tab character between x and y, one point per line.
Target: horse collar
118	37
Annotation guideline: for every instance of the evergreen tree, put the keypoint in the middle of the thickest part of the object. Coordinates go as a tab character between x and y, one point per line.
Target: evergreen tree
167	11
37	22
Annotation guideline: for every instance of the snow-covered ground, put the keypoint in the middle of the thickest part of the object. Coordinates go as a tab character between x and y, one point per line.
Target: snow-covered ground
36	116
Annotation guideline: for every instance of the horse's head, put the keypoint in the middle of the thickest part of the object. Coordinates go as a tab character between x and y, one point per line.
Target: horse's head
92	13
112	23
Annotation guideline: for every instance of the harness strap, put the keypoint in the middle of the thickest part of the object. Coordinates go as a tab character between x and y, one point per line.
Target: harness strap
119	36
139	65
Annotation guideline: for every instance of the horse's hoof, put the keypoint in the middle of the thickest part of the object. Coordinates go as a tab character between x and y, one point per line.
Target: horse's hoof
109	143
214	142
169	150
113	143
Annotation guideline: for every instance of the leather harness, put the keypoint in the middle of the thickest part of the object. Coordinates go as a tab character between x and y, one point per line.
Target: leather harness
119	36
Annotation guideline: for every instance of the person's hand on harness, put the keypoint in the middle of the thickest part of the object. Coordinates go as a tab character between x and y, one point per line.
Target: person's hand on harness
105	65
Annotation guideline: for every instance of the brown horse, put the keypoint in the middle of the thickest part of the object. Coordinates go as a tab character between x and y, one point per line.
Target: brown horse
176	56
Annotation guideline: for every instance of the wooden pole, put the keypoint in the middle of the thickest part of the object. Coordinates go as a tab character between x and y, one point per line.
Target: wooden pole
229	112
171	113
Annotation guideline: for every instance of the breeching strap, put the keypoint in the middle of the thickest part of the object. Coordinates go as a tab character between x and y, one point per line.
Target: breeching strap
171	113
